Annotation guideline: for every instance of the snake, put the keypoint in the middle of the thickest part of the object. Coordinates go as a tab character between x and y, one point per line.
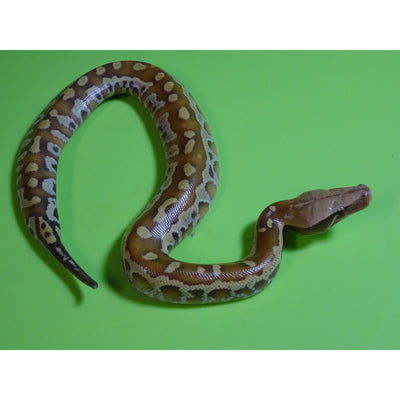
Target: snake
190	185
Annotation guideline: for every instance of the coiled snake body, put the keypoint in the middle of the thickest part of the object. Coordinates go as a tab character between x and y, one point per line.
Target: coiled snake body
185	196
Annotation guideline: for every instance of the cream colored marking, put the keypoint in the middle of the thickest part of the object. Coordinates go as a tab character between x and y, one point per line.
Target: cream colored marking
80	107
53	149
35	148
24	203
150	256
276	250
183	184
68	94
94	94
272	208
48	185
262	230
51	164
165	127
161	210
143	232
269	223
139	67
51	209
47	229
168	86
333	222
33	182
56	133
188	169
172	267
249	263
200	269
68	122
117	65
159	76
172	97
189	146
216	269
31	167
53	112
100	70
183	113
32	225
83	80
189	134
173	150
153	103
44	124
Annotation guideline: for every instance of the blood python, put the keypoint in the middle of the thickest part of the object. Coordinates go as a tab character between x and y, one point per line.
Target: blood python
185	196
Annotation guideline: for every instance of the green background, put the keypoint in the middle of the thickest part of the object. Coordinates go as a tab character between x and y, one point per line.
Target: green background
284	123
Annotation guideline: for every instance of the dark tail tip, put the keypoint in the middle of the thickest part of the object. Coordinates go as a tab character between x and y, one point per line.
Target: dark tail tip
86	279
77	271
62	255
94	285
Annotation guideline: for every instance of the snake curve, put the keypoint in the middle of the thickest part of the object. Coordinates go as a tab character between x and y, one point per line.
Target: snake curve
185	196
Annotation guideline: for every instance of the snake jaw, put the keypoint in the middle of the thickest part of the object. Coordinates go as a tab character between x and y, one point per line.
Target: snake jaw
361	200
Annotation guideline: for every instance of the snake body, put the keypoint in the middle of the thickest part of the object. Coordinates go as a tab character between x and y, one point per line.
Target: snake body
185	196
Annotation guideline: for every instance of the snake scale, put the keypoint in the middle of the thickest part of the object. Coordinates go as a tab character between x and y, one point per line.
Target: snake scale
185	196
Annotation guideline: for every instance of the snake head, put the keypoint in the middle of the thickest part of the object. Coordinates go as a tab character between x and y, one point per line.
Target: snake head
318	210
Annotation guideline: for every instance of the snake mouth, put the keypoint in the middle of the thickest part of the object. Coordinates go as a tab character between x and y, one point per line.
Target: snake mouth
362	199
327	208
